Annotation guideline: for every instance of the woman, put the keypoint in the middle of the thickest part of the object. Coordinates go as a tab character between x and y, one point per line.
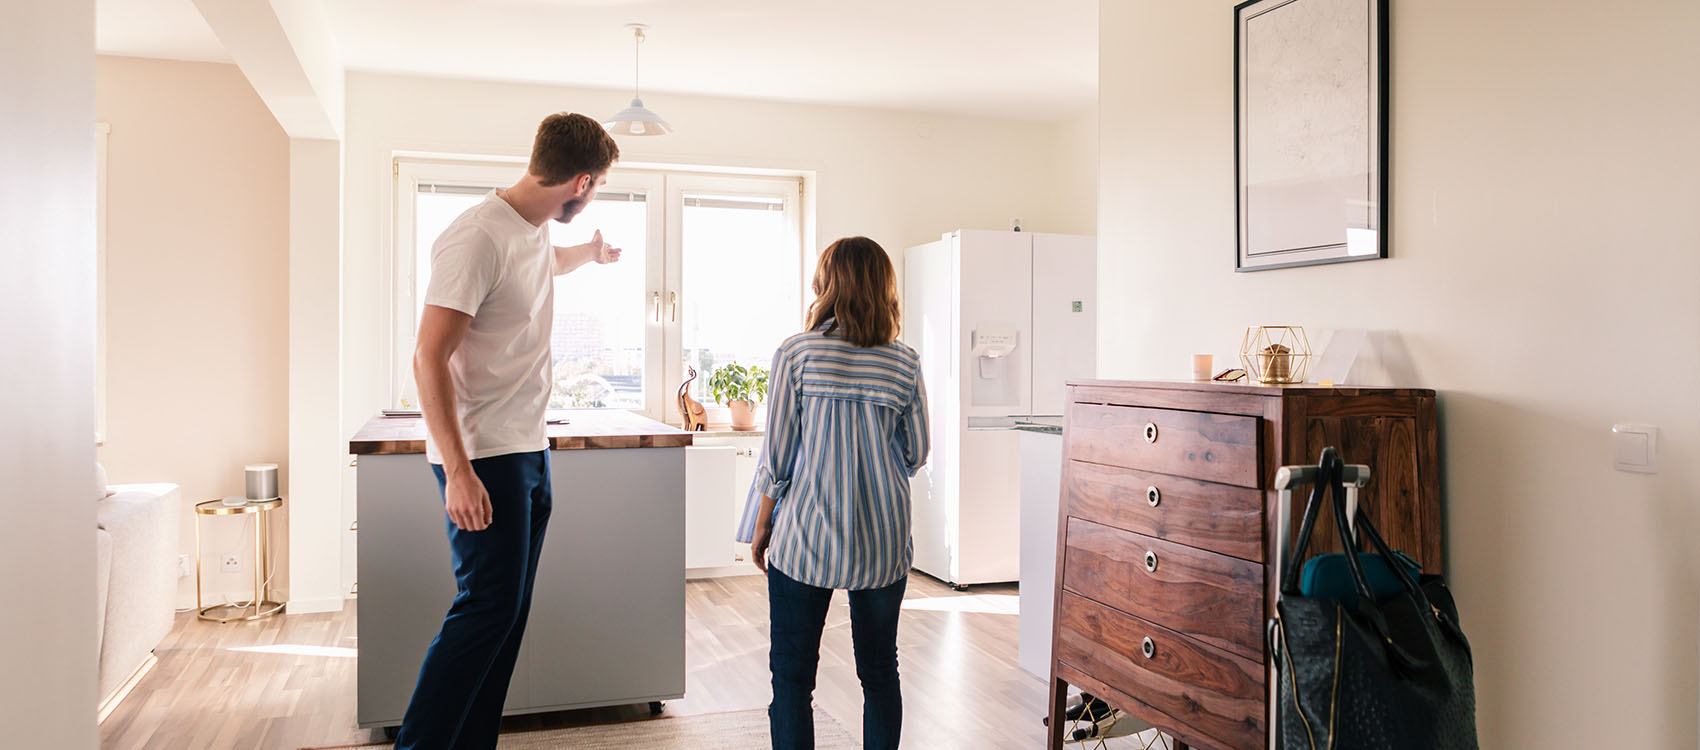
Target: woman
829	509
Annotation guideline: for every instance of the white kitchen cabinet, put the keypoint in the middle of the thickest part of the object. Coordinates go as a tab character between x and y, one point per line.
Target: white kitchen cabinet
709	476
719	468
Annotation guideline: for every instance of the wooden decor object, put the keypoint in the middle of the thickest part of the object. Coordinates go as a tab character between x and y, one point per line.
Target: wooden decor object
695	416
1164	570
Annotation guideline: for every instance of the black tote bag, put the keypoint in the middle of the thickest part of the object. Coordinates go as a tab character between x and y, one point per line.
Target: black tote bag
1394	674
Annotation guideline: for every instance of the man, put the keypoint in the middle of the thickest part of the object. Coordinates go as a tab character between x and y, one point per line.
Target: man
483	370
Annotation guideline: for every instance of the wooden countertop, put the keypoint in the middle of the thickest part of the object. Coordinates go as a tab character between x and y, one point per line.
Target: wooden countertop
586	429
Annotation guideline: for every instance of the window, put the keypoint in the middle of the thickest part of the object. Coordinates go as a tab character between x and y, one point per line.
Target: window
737	242
711	274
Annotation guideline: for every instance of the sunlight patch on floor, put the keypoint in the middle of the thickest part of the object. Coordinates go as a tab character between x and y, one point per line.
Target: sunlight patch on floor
984	604
298	650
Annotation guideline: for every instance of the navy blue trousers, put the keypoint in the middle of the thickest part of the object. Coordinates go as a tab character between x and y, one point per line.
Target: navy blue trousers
797	617
457	703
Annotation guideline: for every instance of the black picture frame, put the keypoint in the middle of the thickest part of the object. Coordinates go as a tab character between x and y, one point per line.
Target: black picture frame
1283	198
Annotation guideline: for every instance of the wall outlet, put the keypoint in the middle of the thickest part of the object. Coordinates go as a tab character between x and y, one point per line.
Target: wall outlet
183	568
232	564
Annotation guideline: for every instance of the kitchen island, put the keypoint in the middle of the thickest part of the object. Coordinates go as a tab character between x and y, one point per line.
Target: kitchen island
607	623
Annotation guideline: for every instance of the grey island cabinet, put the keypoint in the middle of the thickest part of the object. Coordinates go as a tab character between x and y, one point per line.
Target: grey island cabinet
607	622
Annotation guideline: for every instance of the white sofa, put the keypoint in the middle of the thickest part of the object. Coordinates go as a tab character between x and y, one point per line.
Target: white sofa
136	577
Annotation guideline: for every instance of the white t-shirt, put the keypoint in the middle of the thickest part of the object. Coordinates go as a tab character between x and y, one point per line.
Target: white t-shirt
499	268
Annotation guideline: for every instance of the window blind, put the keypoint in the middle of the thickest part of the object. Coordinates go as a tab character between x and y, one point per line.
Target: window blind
439	188
747	203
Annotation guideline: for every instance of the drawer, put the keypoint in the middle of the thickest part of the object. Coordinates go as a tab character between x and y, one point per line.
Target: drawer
1216	517
1211	597
1199	690
1212	447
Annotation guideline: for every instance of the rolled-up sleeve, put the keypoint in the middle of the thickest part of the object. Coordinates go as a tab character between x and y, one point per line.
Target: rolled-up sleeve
914	438
779	448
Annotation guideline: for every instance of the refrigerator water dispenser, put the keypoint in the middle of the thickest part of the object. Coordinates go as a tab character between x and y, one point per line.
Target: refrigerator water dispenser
994	381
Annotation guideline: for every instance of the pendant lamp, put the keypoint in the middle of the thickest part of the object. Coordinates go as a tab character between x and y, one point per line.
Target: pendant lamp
636	119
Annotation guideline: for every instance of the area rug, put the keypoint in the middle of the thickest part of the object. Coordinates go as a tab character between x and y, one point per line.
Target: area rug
736	730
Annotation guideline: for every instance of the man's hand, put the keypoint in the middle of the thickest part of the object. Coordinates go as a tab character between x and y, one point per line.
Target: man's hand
758	545
467	502
601	251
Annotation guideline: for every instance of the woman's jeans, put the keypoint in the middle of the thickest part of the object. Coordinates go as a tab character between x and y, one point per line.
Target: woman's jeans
798	616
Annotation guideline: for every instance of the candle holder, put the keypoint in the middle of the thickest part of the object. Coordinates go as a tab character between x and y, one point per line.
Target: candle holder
1276	355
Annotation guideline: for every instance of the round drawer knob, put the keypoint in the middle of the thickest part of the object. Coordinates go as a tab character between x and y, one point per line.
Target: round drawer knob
1148	648
1151	561
1153	496
1150	432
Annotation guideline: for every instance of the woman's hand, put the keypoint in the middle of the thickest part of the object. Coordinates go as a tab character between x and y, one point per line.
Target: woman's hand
758	545
763	534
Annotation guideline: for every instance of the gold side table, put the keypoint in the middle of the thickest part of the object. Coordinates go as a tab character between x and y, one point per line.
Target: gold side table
262	607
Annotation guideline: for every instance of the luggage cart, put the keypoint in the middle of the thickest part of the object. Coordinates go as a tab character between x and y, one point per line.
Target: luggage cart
1354	477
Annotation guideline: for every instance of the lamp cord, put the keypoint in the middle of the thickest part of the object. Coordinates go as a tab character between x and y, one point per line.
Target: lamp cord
637	60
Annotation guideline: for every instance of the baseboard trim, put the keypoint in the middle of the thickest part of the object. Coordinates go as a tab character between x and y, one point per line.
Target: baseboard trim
186	603
311	606
736	569
111	703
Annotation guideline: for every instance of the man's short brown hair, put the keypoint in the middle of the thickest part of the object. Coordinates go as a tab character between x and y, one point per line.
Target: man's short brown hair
568	145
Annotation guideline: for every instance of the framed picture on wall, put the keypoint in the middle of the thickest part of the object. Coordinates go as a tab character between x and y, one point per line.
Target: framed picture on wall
1310	132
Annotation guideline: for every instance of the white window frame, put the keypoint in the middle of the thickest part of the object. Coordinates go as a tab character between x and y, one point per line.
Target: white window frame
664	189
789	188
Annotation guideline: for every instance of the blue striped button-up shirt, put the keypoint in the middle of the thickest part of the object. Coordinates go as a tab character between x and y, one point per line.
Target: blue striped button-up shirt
846	429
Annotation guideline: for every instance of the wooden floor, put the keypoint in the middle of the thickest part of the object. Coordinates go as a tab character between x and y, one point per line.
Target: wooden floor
294	686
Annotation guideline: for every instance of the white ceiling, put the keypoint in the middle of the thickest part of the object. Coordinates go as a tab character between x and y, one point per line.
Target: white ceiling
1003	58
167	29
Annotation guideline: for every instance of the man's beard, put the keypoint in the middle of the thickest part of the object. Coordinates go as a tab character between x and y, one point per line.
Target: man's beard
571	209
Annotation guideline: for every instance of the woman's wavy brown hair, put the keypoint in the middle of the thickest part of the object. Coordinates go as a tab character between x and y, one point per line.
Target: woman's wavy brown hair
856	289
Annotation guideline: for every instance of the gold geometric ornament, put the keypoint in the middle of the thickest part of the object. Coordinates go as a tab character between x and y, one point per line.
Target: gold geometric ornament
1276	355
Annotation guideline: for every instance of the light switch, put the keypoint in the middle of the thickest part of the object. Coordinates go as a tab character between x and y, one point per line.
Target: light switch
1635	447
1630	449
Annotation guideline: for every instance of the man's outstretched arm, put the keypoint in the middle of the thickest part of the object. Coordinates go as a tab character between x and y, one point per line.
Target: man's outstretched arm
569	259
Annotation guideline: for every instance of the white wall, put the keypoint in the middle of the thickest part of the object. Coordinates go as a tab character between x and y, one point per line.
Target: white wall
900	178
47	655
1075	173
197	296
1545	278
318	529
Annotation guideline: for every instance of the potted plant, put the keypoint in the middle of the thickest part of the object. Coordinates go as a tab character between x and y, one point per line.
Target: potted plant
740	388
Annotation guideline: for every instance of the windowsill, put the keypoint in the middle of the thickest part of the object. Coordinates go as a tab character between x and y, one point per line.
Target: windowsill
725	430
720	422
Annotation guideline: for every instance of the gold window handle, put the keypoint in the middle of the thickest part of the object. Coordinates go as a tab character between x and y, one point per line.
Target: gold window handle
655	299
672	307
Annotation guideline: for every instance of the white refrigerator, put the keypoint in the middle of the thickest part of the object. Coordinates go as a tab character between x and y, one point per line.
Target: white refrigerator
1001	320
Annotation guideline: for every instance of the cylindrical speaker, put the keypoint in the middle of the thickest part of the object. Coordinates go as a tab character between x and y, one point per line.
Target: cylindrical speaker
262	481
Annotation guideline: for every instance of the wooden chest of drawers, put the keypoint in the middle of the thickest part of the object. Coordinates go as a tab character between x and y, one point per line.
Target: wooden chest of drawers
1164	577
